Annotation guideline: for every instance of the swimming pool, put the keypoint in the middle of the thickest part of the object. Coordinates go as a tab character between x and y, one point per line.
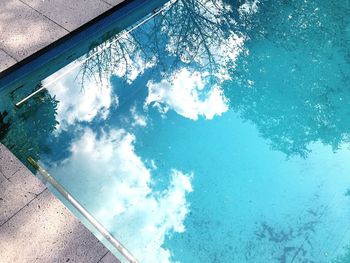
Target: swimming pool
216	131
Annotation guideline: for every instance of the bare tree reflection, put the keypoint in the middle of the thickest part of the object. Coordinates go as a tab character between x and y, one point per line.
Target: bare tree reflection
285	90
115	56
190	32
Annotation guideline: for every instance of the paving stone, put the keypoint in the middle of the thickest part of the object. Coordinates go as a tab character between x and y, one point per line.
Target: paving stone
9	164
26	208
15	193
45	231
5	61
67	13
109	258
24	31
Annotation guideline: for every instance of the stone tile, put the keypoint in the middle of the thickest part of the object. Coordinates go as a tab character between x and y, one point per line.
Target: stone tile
67	13
24	31
45	231
5	61
113	2
15	193
9	164
109	258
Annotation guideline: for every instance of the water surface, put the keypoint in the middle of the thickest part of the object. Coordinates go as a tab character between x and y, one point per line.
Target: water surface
218	131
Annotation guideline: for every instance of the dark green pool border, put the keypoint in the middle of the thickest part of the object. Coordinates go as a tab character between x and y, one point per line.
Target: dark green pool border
76	43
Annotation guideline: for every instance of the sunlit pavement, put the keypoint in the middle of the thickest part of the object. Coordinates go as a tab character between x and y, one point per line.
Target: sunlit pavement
26	26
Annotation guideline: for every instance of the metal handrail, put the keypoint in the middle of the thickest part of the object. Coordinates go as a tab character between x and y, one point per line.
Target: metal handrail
116	243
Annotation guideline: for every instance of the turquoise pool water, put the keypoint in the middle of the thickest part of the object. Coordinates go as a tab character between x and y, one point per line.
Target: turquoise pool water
218	131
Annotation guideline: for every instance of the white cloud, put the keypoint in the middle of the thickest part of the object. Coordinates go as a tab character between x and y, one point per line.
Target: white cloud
113	182
120	56
77	102
250	7
138	119
187	94
131	68
205	42
84	101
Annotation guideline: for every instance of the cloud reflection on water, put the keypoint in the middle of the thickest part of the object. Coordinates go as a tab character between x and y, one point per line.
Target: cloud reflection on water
121	195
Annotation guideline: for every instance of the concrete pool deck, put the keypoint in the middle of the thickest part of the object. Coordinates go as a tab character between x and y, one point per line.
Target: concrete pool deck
34	225
26	26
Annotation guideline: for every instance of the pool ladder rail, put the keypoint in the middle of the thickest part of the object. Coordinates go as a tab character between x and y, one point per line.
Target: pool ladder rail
100	228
